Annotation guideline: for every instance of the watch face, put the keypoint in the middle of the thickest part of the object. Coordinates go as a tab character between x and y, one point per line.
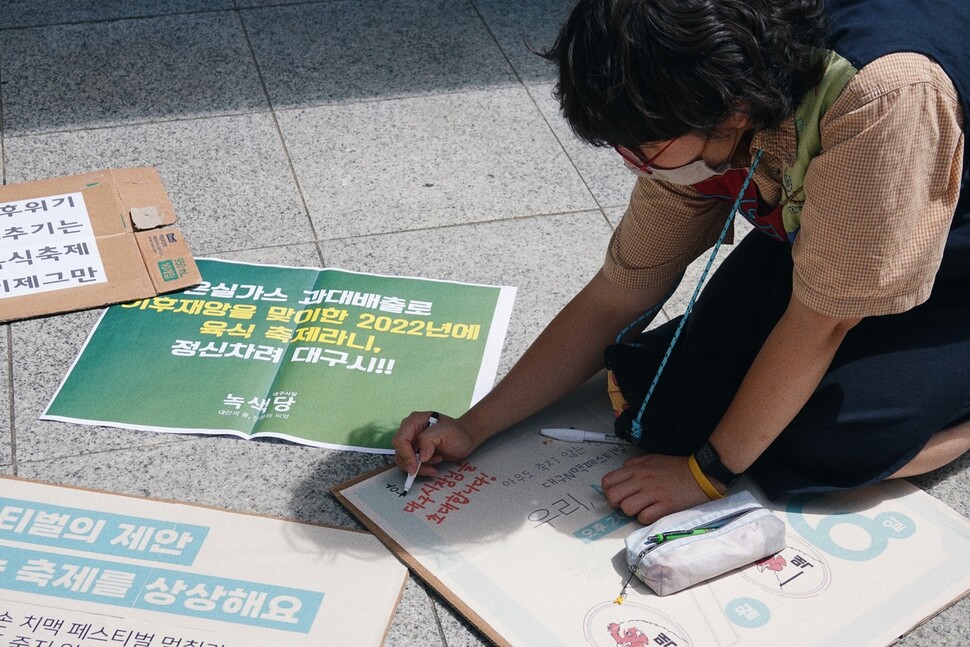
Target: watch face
705	456
710	463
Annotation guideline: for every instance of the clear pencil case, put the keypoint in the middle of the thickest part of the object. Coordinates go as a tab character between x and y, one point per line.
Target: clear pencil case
688	547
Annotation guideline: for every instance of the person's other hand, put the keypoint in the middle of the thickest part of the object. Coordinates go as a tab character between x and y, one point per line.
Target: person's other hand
652	486
447	440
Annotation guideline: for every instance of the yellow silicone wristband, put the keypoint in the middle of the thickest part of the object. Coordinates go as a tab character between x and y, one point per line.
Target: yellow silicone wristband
702	480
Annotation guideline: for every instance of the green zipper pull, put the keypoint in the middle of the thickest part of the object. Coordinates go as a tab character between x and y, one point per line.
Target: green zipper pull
660	538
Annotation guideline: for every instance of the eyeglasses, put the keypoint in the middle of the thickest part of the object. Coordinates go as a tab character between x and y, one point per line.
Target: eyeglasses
635	160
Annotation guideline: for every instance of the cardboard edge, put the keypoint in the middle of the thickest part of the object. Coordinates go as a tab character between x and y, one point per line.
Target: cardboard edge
410	561
397	606
922	622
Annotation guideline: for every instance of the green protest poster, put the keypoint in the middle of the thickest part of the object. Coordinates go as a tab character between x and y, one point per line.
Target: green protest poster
322	357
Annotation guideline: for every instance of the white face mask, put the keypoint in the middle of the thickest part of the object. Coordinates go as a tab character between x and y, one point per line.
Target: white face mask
692	173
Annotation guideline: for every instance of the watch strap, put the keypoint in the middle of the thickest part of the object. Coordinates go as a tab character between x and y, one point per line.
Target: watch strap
710	463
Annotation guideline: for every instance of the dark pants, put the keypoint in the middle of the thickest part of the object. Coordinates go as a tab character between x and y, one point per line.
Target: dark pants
895	380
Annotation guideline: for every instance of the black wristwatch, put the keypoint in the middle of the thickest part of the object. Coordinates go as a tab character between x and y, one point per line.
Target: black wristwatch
710	463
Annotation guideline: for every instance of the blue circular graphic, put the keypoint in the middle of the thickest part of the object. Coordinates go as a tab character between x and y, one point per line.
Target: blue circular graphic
885	526
747	612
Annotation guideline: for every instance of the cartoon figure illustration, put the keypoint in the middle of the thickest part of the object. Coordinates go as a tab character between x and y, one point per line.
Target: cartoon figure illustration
773	563
631	637
632	625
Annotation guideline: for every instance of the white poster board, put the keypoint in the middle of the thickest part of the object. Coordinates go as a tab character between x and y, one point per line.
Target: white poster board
85	568
521	541
47	244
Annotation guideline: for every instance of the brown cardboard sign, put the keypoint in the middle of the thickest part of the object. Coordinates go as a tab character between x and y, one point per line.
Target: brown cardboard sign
520	539
89	240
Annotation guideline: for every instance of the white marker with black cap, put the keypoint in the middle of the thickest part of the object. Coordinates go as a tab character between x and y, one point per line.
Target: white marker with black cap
433	420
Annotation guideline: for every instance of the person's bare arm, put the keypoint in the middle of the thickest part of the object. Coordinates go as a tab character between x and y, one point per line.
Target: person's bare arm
567	353
785	373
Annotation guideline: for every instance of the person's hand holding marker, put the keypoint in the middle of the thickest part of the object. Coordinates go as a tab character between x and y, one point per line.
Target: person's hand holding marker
409	481
420	444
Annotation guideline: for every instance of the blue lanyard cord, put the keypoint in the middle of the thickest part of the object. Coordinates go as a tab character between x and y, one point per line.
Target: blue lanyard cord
646	315
636	431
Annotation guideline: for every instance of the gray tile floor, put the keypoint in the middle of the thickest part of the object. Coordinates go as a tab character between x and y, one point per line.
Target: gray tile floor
346	133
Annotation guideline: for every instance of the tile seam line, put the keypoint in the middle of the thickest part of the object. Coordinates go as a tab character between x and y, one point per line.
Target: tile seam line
60	457
8	330
401	231
104	21
155	122
10	400
437	618
542	115
270	110
404	97
234	7
602	208
453	225
3	132
279	132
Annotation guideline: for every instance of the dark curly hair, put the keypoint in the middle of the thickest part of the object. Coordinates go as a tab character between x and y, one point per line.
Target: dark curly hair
638	71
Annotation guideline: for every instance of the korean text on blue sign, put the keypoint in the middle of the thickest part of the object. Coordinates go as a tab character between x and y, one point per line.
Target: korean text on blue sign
104	533
156	589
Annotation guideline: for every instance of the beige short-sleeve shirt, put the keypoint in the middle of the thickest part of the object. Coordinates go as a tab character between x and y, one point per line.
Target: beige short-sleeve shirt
879	197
